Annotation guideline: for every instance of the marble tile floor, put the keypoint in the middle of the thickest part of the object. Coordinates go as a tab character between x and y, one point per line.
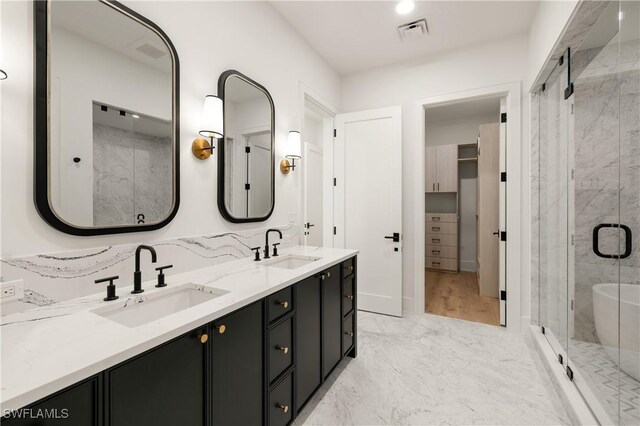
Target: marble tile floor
424	370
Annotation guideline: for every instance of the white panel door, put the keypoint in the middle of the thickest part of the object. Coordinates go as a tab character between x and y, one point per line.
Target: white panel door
368	159
313	203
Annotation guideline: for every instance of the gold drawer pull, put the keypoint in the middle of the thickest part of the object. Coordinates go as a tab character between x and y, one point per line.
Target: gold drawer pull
349	296
435	228
435	263
436	218
284	408
203	338
284	349
351	269
349	333
221	328
435	240
284	304
435	251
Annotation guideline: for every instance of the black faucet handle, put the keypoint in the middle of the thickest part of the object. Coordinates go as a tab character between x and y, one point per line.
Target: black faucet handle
257	256
160	269
275	249
111	288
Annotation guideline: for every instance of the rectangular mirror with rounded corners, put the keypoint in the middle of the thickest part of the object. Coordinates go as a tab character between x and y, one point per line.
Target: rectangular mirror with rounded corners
106	119
246	154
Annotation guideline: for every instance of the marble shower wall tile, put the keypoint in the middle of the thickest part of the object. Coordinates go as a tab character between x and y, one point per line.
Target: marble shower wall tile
50	278
133	175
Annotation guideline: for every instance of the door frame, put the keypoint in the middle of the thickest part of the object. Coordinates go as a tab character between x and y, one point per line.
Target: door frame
517	185
305	93
318	150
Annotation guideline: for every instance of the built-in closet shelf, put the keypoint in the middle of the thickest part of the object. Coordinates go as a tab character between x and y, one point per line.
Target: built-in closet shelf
468	160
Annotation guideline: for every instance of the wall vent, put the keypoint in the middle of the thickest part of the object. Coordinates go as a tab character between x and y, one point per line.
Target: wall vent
149	48
413	30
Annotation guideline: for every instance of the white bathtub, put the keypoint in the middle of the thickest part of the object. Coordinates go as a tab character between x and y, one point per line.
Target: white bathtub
605	309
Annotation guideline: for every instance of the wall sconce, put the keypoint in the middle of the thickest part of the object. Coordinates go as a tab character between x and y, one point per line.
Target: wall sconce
293	153
212	126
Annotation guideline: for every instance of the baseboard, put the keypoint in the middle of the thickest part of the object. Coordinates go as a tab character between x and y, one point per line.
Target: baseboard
574	404
468	265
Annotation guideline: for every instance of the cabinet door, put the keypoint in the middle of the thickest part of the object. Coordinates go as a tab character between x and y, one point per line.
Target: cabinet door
78	405
431	169
447	168
237	367
308	369
331	319
165	386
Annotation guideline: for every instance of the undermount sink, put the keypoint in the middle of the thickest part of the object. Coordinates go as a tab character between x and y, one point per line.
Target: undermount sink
144	309
291	261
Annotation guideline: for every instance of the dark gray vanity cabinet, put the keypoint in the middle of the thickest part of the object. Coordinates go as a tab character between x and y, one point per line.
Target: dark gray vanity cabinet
331	319
258	365
237	369
165	386
308	339
78	405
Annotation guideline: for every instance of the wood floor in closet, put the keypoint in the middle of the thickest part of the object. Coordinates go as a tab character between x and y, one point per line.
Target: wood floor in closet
458	296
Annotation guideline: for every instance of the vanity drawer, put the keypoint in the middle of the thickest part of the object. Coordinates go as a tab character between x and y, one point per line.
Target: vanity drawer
442	217
440	263
441	228
280	348
347	334
348	267
441	239
441	251
347	296
279	303
281	402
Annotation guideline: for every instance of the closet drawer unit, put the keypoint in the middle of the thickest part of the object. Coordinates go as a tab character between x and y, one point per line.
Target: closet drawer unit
281	403
441	228
441	263
441	240
280	349
442	217
450	252
279	304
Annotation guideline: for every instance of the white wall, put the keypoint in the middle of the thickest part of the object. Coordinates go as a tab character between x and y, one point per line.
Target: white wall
547	26
466	69
458	131
210	37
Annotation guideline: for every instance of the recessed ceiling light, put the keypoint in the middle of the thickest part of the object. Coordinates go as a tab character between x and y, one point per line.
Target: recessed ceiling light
404	7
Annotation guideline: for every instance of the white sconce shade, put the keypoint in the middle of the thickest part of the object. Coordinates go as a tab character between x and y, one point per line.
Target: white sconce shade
212	124
294	149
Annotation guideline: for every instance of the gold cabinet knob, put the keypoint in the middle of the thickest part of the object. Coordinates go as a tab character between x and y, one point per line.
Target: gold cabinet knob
348	333
221	328
284	408
203	338
351	268
284	349
284	304
349	296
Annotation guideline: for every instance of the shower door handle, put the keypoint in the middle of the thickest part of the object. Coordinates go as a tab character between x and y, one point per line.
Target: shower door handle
628	246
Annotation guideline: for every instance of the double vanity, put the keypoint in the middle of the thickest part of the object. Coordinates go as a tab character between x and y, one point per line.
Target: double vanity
244	342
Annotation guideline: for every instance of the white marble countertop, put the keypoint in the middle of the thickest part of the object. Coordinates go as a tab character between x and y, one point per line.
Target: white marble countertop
47	349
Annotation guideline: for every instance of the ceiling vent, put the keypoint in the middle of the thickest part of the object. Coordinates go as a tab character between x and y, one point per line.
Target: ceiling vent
148	48
413	30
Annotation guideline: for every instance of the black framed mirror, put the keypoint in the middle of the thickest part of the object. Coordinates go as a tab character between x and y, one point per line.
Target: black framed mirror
106	119
246	153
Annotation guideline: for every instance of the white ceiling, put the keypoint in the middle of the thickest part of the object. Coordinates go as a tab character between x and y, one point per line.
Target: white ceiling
463	110
354	36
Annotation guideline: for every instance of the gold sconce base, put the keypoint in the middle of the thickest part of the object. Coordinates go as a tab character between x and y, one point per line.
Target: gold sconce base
285	166
201	148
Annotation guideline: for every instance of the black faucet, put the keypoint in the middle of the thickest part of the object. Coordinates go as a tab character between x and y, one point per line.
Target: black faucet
266	246
137	275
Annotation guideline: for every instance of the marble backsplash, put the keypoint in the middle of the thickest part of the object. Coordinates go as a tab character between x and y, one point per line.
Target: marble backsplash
49	278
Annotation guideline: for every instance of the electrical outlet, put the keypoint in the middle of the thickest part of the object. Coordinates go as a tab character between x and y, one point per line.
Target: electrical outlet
12	290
